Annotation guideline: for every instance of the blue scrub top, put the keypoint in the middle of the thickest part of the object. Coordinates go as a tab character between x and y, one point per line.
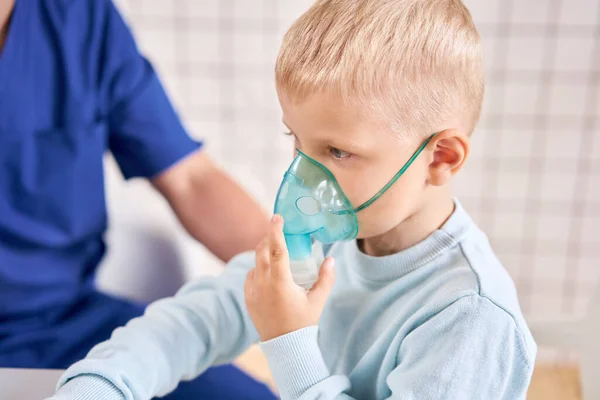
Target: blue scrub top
72	86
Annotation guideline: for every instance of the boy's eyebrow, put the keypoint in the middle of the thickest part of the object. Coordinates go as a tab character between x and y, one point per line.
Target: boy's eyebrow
352	147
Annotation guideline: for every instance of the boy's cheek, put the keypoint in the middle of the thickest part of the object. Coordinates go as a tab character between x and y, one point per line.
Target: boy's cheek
395	205
389	211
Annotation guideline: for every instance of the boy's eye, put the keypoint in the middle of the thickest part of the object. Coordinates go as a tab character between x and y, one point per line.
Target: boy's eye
339	154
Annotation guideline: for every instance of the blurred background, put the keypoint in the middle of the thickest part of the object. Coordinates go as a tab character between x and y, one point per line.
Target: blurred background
533	182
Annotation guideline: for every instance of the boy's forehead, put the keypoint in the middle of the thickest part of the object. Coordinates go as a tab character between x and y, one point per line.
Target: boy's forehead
318	113
318	109
324	118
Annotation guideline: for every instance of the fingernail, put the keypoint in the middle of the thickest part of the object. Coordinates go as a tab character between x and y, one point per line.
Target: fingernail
276	219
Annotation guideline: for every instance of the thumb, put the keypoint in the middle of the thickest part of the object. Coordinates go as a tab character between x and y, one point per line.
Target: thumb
322	287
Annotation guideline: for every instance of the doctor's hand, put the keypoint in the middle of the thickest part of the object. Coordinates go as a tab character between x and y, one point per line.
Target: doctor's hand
275	303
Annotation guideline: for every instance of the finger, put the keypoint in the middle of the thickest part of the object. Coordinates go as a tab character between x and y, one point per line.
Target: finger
278	253
322	287
249	286
262	258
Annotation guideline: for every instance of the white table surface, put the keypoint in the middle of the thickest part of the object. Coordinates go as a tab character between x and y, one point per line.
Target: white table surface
27	384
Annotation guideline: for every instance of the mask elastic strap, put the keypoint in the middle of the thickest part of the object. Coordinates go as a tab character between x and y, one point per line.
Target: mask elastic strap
396	177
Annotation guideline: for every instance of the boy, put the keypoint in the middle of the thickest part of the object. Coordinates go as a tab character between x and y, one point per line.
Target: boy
420	308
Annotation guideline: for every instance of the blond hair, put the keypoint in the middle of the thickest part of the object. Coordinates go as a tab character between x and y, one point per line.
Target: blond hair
415	62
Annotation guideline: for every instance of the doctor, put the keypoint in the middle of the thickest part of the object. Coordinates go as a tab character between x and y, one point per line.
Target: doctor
72	86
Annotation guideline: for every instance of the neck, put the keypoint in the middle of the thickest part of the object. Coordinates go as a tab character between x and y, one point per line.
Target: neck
6	7
414	229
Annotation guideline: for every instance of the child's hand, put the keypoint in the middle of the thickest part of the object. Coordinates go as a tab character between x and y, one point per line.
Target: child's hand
275	303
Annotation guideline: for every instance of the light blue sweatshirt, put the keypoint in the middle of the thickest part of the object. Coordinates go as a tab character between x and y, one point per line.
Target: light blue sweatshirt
439	320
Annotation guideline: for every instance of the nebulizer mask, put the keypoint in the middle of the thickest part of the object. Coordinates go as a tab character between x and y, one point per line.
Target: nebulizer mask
316	211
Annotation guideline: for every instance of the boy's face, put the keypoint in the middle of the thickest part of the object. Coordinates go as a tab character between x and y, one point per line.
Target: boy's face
363	155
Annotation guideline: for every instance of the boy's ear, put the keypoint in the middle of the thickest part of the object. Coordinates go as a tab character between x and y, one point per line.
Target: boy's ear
450	151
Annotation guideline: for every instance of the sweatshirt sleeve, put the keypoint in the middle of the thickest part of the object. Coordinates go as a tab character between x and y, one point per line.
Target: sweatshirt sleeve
176	339
472	349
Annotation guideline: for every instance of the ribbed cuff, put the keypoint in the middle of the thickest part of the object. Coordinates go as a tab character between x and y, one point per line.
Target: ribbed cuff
88	387
296	361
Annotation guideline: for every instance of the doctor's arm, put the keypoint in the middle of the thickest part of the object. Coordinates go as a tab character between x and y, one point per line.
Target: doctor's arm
149	140
212	207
